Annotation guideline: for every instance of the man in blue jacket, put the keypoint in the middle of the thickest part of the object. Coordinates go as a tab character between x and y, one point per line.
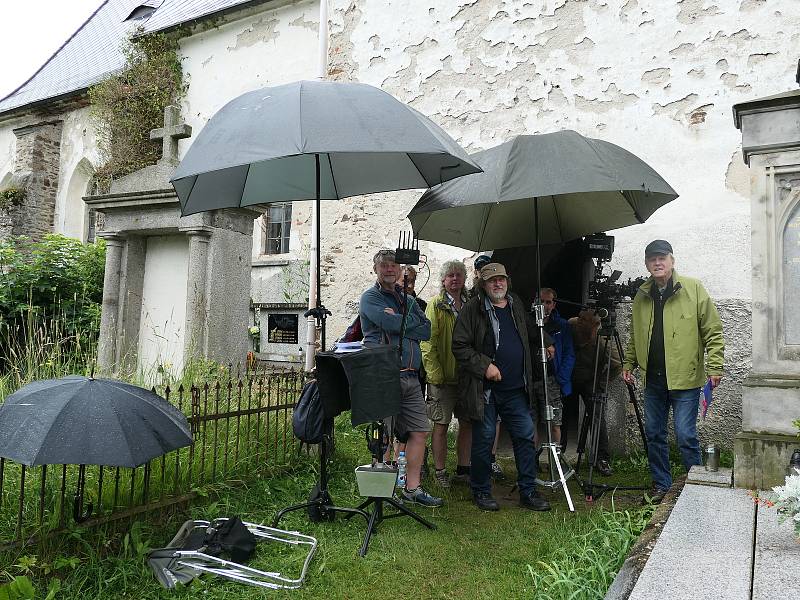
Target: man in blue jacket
559	368
381	312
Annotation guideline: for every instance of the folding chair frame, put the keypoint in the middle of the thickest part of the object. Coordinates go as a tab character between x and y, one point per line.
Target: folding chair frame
184	565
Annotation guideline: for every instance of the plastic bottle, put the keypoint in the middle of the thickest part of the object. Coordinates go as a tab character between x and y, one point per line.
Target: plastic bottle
402	465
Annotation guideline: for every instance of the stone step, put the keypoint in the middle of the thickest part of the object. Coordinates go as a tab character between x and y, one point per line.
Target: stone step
705	550
777	558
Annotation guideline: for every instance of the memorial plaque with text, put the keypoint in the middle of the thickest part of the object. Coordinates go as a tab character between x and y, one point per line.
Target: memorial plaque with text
282	328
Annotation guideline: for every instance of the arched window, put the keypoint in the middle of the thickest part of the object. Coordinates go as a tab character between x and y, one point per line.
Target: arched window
75	221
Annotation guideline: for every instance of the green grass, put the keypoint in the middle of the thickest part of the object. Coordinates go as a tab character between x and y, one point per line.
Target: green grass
510	554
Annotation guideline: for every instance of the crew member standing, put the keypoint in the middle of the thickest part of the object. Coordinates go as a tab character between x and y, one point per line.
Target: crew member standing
676	341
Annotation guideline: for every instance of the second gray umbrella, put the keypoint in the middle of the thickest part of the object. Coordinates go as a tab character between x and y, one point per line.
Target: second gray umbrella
581	185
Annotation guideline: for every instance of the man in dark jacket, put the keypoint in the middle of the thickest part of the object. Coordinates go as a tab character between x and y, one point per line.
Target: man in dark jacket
492	348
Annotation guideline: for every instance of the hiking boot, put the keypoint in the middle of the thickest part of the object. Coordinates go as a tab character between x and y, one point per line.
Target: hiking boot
421	497
442	479
603	468
533	501
460	478
654	496
484	501
497	472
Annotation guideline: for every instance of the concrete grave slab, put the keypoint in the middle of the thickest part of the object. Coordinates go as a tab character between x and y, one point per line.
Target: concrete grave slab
705	550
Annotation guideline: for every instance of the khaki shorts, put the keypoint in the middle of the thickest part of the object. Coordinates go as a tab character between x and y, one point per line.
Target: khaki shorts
412	415
443	402
554	391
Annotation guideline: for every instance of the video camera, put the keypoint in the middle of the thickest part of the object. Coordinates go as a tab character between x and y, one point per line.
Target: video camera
605	291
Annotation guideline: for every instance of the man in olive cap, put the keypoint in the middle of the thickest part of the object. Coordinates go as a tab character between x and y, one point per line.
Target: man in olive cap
677	343
491	343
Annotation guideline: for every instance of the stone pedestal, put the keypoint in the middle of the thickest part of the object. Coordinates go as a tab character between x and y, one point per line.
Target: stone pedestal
771	393
176	288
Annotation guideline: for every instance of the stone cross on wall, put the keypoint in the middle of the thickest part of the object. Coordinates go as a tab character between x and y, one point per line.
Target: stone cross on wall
170	134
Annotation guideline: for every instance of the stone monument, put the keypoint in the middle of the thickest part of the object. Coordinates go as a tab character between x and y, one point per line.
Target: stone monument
176	288
771	395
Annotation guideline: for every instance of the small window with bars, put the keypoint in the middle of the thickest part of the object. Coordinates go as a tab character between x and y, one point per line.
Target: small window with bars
277	227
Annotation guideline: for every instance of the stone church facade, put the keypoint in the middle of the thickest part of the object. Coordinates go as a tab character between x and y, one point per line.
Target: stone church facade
656	77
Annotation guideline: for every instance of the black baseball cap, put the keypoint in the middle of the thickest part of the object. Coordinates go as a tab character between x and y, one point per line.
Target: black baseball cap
481	261
657	247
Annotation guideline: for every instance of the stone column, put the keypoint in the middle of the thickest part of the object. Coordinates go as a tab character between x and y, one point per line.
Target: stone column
109	320
37	163
771	392
197	293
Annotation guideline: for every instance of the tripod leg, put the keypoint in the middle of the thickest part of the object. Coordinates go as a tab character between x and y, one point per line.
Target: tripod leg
632	397
373	520
582	437
555	458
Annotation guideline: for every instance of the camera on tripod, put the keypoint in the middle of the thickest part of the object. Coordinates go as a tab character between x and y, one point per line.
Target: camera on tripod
606	291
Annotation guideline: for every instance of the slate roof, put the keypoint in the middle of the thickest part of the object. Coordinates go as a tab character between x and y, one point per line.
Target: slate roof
93	52
176	12
90	55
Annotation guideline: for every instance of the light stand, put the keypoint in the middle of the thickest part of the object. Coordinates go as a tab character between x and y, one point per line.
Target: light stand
552	449
554	455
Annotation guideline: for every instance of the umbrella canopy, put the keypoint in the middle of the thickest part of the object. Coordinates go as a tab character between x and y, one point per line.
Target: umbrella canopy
581	185
85	421
260	148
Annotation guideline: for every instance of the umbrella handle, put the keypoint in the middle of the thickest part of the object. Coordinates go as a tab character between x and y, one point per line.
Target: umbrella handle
77	502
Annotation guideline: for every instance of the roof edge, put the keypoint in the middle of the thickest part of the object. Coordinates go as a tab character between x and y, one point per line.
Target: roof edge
219	13
766	104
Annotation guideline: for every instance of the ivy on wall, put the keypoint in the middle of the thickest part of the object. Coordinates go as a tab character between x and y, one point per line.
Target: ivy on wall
127	106
11	196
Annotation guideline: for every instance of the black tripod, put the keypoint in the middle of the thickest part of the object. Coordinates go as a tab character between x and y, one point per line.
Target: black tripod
320	506
592	420
377	440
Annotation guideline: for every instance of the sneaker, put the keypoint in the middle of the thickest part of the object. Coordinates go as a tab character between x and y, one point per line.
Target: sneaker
533	501
442	479
484	501
421	497
603	468
654	496
497	472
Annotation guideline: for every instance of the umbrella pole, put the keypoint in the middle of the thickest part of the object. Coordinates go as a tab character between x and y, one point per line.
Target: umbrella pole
316	312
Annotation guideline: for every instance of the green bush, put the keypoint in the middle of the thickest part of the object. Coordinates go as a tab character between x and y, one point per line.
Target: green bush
50	293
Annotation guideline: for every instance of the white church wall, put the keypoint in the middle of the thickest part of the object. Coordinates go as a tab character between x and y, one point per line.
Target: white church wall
79	158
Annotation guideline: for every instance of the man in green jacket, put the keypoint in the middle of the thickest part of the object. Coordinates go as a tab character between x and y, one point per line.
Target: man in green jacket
676	341
443	398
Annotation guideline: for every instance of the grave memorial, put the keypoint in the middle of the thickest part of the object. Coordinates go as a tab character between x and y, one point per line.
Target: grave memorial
771	396
175	287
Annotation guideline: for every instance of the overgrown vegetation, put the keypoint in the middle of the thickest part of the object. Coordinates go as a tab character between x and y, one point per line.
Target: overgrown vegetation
11	196
50	298
127	106
471	555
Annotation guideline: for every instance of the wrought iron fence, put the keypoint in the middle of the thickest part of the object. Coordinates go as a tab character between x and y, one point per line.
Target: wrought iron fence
239	424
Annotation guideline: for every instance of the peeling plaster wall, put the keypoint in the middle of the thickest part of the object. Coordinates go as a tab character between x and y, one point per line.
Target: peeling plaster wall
656	77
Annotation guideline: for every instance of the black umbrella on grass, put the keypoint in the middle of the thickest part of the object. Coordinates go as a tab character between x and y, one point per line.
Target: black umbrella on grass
80	420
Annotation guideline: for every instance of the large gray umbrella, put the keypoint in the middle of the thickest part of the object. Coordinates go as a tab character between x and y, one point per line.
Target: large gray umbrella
85	421
314	140
581	185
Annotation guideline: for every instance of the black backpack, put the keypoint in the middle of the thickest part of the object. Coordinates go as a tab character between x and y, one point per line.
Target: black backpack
308	420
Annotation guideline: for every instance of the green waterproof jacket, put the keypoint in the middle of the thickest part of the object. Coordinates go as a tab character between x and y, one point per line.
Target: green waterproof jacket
693	344
437	352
